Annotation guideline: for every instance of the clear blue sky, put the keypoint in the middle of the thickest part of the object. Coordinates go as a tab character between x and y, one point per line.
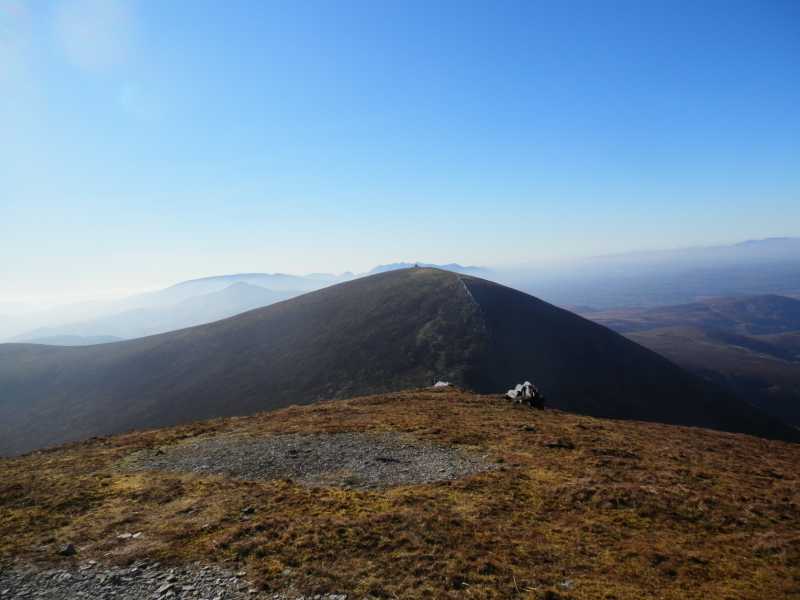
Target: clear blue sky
147	142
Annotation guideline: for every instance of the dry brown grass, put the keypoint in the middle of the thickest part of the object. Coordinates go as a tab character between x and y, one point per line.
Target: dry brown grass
635	510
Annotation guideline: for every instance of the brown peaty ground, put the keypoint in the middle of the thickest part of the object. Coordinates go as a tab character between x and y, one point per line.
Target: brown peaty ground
578	507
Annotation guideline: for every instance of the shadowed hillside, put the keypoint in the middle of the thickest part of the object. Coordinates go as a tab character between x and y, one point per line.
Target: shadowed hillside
385	332
749	345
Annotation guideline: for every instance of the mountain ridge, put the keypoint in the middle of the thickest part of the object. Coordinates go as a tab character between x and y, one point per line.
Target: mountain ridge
391	331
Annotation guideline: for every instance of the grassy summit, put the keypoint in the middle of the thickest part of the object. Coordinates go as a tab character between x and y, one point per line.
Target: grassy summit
574	507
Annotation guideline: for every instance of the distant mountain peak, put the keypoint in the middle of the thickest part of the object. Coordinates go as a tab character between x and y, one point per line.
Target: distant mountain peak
770	240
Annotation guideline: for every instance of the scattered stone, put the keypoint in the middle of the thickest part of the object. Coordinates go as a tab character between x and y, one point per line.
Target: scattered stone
354	460
139	581
67	550
566	584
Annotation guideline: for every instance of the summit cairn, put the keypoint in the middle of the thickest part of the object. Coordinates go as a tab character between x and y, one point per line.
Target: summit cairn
526	393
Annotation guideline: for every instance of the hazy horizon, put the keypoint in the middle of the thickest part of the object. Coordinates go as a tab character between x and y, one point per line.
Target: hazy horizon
11	305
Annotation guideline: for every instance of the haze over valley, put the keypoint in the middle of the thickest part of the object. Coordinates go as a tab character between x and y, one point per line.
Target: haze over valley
633	280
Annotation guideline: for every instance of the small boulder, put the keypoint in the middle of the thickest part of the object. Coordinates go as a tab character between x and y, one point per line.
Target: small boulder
68	550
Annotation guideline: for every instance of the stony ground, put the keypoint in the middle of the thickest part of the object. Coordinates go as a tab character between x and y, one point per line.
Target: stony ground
139	581
353	460
574	508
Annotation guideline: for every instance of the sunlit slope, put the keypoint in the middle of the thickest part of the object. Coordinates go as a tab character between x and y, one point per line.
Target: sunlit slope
573	507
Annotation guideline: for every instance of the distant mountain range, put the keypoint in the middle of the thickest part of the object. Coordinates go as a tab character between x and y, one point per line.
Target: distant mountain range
237	297
395	330
649	279
75	340
190	303
750	345
643	279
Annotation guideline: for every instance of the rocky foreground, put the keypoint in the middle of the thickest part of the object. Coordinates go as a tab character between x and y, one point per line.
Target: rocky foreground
427	494
140	580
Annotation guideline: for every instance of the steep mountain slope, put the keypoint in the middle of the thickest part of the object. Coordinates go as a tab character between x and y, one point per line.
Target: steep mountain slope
593	371
385	332
573	507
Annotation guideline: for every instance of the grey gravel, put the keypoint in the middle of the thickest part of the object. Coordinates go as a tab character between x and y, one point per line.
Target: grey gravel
353	460
139	581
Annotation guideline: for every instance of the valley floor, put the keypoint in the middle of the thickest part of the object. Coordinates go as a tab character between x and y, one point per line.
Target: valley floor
463	496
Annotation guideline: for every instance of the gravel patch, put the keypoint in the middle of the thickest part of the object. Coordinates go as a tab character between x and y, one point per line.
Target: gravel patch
140	581
352	460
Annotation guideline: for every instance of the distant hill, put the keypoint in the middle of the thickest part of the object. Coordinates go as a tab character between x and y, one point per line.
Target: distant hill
749	315
273	281
751	344
184	304
194	310
391	331
128	317
757	371
75	340
668	277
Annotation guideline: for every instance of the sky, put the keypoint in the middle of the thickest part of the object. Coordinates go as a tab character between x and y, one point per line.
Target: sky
145	143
